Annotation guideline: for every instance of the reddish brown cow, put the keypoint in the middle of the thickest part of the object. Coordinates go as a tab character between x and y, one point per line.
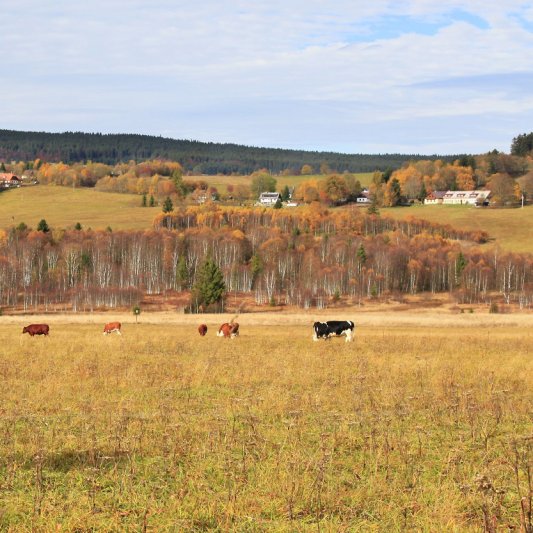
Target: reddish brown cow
36	329
228	331
202	329
112	326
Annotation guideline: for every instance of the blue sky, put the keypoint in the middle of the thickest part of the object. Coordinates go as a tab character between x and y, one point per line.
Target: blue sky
409	76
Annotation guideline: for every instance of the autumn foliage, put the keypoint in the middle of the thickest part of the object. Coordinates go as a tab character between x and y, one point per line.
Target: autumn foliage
305	258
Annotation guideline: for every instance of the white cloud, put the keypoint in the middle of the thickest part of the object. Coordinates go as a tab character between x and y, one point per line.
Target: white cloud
210	69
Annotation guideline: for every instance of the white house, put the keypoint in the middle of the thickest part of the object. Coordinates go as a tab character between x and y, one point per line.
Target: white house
364	197
269	199
466	197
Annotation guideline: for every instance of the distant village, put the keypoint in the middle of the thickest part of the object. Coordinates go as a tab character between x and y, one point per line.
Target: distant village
270	199
475	198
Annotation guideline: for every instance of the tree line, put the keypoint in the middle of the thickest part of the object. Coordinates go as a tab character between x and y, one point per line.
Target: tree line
308	259
195	157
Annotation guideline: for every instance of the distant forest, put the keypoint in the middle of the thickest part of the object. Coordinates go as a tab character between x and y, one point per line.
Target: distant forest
195	157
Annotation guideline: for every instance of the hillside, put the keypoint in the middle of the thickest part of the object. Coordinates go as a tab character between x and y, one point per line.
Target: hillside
63	207
508	228
195	156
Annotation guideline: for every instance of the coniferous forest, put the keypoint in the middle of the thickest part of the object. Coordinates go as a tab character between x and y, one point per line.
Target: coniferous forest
195	157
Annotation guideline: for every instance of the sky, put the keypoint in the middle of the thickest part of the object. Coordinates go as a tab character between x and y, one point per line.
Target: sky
353	76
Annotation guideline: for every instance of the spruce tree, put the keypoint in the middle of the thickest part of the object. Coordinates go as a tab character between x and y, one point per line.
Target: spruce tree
361	254
256	265
167	206
43	226
182	273
209	288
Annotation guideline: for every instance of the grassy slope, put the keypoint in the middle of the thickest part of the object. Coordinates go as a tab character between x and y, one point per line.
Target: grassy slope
62	207
163	429
510	228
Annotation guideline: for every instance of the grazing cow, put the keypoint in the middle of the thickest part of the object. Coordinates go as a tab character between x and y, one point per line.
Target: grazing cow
36	329
228	330
112	326
332	328
202	329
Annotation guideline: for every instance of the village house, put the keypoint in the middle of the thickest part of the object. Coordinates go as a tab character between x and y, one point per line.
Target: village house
204	196
269	199
8	180
435	197
364	197
466	198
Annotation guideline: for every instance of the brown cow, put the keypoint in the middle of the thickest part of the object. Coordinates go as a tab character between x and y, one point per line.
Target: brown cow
112	326
36	329
202	329
228	330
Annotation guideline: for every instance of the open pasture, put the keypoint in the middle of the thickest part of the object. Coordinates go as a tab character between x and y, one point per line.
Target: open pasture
63	207
409	427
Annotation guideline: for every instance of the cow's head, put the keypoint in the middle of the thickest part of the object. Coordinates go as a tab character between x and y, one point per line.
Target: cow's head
25	329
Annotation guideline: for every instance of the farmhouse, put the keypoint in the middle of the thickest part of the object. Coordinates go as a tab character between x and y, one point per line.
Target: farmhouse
269	199
8	180
364	197
435	197
466	197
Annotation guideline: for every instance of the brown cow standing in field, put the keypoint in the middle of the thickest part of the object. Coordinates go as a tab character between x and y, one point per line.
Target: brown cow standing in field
228	330
202	329
36	329
112	326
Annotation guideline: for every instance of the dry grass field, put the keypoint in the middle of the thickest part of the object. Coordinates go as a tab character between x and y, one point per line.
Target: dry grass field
63	207
423	423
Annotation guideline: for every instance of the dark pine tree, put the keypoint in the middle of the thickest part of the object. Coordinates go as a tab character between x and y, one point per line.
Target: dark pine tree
209	289
167	206
43	226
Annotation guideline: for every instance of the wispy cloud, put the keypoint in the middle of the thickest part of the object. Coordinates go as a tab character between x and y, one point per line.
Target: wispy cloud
336	75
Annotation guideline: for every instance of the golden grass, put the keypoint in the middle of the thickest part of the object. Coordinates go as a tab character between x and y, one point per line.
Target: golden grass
63	207
410	427
509	228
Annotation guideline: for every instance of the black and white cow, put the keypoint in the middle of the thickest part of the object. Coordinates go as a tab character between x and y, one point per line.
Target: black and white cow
325	330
